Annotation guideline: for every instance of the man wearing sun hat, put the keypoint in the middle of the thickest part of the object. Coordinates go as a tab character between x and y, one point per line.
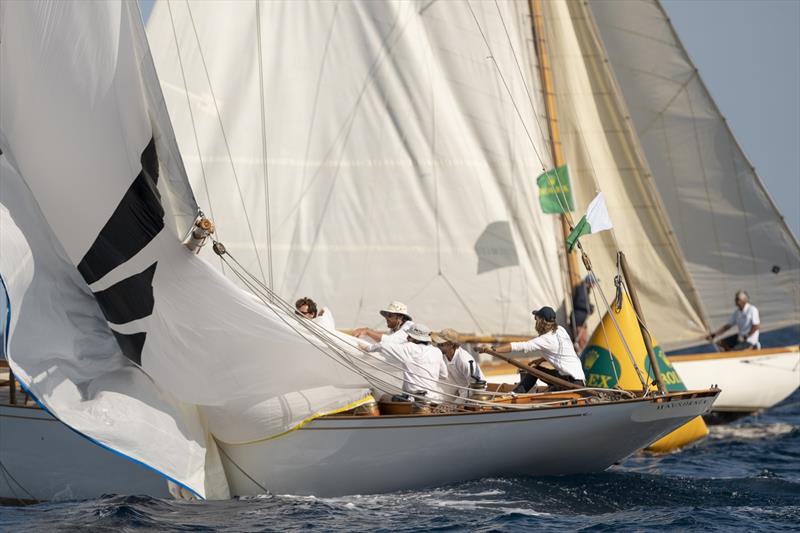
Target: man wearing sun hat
462	368
397	320
554	345
423	365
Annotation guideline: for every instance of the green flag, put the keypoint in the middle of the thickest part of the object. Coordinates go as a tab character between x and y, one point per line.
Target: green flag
555	191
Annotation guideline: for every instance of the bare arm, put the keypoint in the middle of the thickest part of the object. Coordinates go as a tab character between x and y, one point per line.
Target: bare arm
720	331
499	348
371	333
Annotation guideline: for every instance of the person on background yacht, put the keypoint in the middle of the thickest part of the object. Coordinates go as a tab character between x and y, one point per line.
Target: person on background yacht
423	365
462	368
745	317
397	320
553	345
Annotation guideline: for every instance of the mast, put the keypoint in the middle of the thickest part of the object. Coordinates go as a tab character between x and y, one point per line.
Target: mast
555	136
648	341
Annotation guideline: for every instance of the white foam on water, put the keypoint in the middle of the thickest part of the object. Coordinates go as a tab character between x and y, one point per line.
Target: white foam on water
256	497
750	432
495	492
487	505
526	512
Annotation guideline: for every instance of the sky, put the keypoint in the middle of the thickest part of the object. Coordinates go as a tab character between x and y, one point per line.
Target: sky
748	54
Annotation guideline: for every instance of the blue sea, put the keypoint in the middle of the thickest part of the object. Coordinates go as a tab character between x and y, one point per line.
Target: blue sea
745	476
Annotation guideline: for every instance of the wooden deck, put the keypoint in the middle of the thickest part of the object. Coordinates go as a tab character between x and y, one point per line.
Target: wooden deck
17	395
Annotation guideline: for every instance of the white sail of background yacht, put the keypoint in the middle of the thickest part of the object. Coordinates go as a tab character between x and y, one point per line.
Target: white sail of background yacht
730	231
363	152
145	342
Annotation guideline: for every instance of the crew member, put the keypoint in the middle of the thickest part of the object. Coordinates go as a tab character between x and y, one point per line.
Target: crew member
581	309
554	345
306	307
423	364
745	318
397	320
462	368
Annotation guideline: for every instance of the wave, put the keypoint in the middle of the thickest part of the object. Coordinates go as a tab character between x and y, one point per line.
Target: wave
751	432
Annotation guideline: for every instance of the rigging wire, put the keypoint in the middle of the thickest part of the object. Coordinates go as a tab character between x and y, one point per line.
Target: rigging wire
267	220
276	304
242	470
191	116
505	84
323	335
225	139
560	193
522	76
6	476
562	201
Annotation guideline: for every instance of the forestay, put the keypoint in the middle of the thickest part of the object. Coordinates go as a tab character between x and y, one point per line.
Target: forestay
363	152
148	349
729	230
604	155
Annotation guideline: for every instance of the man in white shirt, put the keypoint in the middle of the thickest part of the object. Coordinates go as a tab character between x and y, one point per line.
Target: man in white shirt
462	368
554	345
423	364
746	319
397	320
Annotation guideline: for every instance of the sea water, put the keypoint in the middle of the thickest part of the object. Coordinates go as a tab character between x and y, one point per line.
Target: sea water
745	476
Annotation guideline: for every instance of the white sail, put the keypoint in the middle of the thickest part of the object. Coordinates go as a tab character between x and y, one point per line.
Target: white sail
604	155
729	230
142	324
363	152
76	369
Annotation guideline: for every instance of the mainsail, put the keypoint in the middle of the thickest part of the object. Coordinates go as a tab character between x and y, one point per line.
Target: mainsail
439	208
731	234
362	152
144	339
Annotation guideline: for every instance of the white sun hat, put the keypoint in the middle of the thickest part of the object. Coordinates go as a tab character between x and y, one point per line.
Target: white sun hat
419	332
396	308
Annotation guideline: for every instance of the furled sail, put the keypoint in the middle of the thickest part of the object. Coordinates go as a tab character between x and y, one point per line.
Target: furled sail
145	340
603	151
362	152
731	234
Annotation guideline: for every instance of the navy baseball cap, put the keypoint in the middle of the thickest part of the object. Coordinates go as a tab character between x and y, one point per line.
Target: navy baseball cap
545	313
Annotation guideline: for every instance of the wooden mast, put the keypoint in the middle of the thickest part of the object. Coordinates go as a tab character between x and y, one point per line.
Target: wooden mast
648	342
555	136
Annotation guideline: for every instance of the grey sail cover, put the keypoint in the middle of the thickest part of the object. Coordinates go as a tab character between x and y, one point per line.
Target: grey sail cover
729	230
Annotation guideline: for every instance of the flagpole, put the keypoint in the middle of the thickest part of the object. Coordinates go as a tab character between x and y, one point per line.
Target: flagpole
574	276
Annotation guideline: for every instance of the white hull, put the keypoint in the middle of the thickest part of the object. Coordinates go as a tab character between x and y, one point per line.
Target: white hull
362	455
52	462
750	380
